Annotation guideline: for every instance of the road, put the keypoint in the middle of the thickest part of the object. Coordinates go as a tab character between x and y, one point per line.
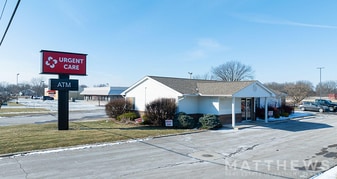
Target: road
52	117
298	148
80	110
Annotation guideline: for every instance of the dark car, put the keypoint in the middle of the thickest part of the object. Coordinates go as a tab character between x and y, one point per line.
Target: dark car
324	102
47	98
312	106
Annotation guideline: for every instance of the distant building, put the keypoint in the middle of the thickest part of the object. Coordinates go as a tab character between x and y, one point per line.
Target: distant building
27	92
51	93
102	93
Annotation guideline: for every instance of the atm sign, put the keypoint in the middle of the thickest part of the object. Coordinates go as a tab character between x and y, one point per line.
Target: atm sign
63	84
54	62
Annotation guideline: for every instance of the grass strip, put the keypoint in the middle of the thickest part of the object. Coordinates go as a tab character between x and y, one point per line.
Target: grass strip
29	137
10	112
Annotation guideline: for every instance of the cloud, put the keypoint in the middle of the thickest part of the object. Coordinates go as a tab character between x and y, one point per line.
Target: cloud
275	21
197	53
70	11
204	48
209	43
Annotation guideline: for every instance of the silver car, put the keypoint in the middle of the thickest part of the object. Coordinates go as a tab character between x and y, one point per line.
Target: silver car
312	106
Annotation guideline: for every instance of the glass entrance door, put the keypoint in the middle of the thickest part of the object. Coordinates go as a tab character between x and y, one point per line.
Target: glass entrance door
246	108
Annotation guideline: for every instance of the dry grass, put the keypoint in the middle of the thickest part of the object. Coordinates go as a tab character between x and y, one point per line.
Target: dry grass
35	137
9	112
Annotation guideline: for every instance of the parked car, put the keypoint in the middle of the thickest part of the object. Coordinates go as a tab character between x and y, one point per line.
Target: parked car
36	97
324	102
312	106
47	98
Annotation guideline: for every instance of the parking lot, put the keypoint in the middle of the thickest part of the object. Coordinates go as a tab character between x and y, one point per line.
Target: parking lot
78	105
298	148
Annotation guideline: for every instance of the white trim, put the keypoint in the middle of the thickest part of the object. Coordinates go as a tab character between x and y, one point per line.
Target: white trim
233	112
134	85
148	78
266	110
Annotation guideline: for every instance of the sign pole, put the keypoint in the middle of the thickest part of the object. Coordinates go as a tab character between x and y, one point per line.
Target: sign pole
63	106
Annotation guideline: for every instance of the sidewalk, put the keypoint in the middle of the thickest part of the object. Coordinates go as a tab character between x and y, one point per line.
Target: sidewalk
331	173
249	123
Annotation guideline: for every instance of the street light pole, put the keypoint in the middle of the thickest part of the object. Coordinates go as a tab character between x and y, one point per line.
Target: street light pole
190	73
320	81
17	86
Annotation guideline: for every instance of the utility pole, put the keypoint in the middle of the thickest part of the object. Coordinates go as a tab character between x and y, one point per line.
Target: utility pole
320	81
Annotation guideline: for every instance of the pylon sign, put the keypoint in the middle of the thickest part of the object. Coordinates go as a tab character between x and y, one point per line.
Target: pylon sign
54	62
64	64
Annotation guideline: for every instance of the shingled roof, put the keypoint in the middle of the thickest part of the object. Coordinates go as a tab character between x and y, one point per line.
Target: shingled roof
202	87
182	85
103	91
221	88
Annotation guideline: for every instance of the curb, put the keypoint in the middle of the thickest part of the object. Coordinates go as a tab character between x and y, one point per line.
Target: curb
97	144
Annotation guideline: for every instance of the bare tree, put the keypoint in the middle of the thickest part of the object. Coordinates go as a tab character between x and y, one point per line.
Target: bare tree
4	97
233	71
4	94
299	90
102	85
327	87
81	87
205	76
276	86
38	85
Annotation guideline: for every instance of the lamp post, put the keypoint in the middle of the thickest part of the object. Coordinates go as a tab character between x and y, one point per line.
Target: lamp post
17	86
320	81
190	73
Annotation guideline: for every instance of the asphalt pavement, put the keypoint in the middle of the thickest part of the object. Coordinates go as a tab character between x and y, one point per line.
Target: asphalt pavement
79	110
297	148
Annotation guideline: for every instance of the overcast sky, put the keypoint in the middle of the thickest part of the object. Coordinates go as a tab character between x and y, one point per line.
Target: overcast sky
282	40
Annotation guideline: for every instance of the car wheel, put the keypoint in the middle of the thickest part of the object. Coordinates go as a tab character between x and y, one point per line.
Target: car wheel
331	109
302	109
321	110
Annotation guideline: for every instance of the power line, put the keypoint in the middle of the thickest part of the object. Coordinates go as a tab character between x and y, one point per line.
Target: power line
10	21
3	9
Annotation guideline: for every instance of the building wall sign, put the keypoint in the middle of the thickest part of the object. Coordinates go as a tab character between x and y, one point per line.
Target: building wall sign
54	62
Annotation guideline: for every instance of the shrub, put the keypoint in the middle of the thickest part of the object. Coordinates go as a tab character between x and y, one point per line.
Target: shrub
287	109
159	110
182	120
260	113
285	114
276	115
117	107
146	120
129	116
210	121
